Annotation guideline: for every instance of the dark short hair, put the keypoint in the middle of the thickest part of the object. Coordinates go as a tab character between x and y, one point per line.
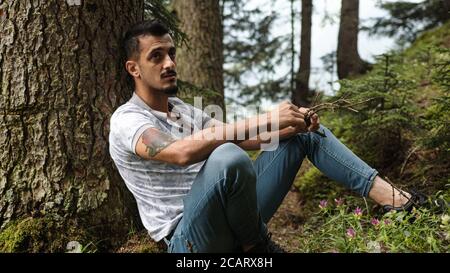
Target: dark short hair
131	38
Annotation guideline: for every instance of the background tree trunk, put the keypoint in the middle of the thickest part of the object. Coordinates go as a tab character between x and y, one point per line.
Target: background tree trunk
60	83
349	63
202	63
300	97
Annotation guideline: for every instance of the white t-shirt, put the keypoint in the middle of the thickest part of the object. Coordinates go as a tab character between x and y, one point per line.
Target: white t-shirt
158	187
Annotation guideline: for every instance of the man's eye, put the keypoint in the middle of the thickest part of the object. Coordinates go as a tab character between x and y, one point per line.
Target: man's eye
156	56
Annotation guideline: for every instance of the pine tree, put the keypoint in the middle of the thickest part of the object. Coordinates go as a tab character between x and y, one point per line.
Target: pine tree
300	96
61	79
201	62
349	62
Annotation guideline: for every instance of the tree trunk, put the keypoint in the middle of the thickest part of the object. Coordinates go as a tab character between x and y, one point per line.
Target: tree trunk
349	63
60	82
300	97
202	63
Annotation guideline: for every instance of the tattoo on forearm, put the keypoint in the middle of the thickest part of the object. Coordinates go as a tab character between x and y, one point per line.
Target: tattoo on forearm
156	141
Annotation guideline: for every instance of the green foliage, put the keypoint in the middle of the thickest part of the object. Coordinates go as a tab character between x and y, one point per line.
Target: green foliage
346	228
438	125
406	104
437	116
436	38
408	19
379	131
405	117
308	185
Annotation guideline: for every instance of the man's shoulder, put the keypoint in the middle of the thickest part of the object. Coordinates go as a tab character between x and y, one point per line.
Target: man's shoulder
126	108
129	115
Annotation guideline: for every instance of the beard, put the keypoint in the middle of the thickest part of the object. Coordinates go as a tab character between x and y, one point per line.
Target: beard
170	91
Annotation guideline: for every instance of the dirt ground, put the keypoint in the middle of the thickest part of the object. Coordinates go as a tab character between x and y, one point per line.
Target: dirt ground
285	225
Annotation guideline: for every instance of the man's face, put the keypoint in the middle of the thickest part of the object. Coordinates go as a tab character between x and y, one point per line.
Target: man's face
156	65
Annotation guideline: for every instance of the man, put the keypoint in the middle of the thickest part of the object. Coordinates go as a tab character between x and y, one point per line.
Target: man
200	192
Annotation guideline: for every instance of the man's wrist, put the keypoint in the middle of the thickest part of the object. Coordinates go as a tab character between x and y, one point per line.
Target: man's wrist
265	122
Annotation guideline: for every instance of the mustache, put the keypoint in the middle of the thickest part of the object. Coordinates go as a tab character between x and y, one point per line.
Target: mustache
169	73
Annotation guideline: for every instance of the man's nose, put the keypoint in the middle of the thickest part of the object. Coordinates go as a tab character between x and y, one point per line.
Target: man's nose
168	62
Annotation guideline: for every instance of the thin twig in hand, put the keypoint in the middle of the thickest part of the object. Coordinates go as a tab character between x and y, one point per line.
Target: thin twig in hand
339	103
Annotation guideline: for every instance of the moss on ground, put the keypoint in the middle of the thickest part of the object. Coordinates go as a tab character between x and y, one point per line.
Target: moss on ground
46	234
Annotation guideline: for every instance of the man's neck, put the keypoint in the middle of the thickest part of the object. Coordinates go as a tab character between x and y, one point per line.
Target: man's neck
154	99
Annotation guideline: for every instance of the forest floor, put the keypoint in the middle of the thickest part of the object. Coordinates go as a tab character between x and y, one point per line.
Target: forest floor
286	224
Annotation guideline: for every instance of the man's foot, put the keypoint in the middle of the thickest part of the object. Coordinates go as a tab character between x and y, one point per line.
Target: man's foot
386	194
416	200
266	246
420	200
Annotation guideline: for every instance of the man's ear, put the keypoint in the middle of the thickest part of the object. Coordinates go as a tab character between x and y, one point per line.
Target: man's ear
133	68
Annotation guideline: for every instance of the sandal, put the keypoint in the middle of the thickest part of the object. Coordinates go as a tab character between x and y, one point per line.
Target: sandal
416	200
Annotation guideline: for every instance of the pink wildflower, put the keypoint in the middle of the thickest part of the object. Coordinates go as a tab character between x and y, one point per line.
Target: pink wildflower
339	201
323	204
351	233
375	221
358	212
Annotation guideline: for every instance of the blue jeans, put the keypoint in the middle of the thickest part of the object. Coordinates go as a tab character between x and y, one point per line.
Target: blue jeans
232	198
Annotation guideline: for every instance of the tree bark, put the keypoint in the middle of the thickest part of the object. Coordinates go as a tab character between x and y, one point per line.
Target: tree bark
60	82
349	63
300	97
202	63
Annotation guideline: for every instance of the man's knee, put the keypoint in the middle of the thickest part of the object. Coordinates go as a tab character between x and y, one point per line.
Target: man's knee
232	159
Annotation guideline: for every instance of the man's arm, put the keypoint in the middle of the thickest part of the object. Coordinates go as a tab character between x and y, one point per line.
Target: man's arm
285	133
154	144
157	145
255	144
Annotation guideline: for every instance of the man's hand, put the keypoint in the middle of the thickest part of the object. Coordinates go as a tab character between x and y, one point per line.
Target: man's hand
296	119
289	116
315	120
